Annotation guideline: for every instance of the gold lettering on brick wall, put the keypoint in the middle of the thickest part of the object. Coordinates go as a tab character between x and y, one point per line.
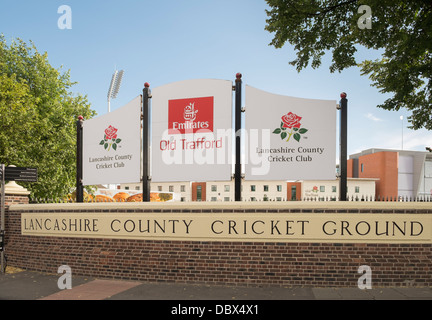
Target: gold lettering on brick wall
252	227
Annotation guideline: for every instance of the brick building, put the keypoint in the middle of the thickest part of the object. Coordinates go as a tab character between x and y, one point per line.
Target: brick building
372	174
400	173
277	190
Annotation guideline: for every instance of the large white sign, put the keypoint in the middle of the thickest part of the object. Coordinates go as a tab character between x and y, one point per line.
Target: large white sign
192	131
112	146
289	138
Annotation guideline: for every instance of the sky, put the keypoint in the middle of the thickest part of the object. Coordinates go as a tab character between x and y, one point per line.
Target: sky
165	41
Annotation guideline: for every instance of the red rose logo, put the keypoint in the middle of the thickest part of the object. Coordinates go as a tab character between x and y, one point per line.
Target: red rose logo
110	139
291	120
111	133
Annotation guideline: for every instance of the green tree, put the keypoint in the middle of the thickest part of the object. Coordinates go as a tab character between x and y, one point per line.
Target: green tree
38	115
401	29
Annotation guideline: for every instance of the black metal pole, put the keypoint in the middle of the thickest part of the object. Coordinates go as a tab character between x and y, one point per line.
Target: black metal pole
237	172
146	129
3	225
79	164
343	146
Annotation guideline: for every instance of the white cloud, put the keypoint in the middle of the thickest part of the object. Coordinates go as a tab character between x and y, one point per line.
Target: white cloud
373	118
412	140
415	140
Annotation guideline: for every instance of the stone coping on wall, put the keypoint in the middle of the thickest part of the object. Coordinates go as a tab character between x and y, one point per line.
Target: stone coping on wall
214	207
12	188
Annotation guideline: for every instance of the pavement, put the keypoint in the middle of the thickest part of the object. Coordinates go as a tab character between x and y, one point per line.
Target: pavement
28	285
169	300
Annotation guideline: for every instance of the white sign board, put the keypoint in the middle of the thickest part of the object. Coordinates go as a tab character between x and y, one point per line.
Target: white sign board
112	146
289	138
192	131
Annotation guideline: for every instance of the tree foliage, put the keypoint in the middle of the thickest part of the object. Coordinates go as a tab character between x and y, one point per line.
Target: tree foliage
402	29
38	115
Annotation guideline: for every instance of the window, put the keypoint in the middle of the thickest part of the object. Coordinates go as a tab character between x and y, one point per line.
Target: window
199	193
126	188
171	188
279	188
159	188
214	187
293	192
253	199
362	167
137	188
213	198
357	189
278	198
226	198
227	188
322	188
266	188
334	189
183	199
182	188
252	187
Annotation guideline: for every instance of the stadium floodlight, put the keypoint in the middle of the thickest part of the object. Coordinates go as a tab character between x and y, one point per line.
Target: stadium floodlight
114	88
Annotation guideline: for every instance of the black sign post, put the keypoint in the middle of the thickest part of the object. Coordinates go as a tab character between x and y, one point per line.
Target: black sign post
238	111
79	194
146	134
343	147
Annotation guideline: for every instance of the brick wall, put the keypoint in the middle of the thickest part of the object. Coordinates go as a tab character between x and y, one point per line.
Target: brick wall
221	263
384	166
14	199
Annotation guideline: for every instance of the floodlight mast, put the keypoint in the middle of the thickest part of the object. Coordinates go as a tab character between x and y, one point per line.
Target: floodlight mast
117	83
114	88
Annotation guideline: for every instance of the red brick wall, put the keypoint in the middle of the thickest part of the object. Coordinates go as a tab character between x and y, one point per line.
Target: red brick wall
15	199
384	166
350	168
222	263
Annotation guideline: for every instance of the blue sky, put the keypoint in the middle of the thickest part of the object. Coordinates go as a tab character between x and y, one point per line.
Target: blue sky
166	41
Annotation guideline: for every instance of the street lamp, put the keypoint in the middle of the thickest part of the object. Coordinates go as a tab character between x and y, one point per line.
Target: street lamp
401	117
